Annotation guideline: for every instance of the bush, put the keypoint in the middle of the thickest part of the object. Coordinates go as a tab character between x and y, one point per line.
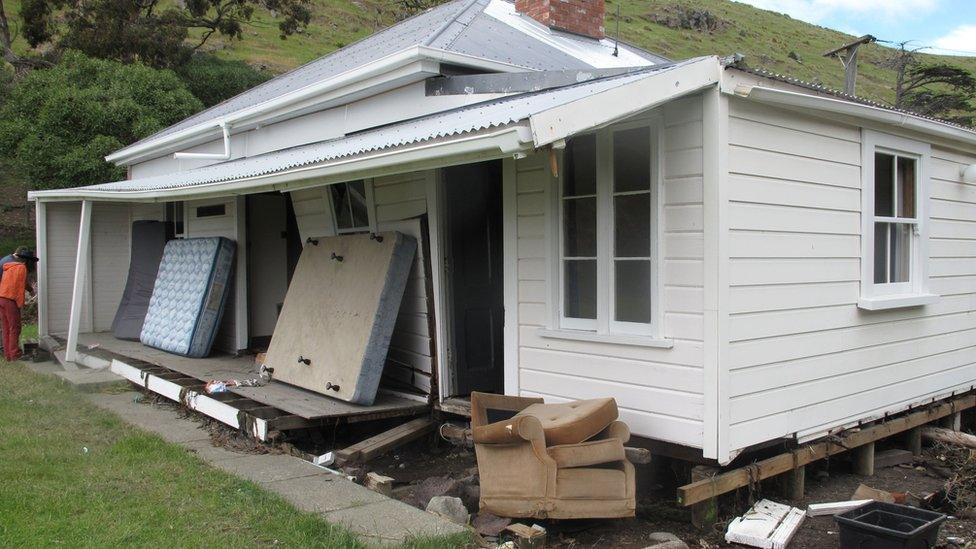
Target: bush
213	80
58	124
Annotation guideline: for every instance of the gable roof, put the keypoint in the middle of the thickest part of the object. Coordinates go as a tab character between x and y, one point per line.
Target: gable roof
487	30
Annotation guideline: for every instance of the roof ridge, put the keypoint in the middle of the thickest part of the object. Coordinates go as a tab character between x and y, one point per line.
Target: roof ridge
444	26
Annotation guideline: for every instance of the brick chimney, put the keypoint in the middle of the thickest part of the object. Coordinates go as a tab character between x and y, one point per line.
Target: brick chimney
583	17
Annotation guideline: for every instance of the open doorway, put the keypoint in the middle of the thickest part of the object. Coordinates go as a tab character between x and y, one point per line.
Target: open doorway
473	243
273	248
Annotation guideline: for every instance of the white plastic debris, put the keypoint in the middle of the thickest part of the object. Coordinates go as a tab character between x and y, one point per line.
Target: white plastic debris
768	525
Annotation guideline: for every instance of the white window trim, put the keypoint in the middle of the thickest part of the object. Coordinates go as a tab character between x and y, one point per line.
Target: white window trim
603	328
915	292
370	209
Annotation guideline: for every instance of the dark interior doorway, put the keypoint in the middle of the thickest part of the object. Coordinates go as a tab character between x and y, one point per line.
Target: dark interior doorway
273	247
473	219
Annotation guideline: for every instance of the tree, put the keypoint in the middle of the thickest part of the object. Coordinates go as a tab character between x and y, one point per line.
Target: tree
212	79
939	90
57	124
155	32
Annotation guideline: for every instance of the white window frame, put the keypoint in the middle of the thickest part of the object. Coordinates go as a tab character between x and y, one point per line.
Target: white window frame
370	209
875	296
604	324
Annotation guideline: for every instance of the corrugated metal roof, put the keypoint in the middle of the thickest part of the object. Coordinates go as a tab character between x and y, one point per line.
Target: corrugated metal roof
461	26
491	114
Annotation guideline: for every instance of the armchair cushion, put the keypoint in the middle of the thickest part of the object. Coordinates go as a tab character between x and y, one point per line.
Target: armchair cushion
584	454
586	483
573	422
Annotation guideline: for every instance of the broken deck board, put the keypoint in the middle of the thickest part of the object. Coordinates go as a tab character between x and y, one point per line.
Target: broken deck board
385	441
294	400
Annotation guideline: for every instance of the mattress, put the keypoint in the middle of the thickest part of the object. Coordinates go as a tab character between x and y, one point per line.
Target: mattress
148	240
188	297
335	326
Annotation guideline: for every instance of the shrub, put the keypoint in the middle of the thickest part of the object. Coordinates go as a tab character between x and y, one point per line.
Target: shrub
58	123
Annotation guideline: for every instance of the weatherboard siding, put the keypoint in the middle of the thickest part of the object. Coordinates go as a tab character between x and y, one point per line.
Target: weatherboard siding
398	202
803	358
109	260
659	391
62	249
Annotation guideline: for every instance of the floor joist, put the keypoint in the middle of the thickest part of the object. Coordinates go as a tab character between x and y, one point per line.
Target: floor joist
722	483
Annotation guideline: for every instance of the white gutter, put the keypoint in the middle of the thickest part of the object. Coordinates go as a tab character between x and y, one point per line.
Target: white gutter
509	141
372	69
796	100
211	156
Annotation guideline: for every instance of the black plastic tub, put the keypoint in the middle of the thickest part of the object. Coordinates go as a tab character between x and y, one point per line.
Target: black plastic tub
878	525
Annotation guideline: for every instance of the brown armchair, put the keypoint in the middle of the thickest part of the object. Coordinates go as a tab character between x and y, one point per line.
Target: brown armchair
561	461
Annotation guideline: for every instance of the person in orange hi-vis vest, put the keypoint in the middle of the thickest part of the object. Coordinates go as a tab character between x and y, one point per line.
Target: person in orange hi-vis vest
13	290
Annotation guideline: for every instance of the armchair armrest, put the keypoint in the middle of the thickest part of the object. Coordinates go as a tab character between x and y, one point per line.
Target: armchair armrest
618	430
585	454
511	431
482	402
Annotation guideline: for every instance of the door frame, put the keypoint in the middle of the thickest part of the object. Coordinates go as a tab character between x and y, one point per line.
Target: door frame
443	318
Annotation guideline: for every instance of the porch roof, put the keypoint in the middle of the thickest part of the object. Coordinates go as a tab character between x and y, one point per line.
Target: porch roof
495	128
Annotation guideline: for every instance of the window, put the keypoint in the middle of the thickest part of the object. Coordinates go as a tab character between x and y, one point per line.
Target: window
174	215
607	204
213	210
350	206
895	233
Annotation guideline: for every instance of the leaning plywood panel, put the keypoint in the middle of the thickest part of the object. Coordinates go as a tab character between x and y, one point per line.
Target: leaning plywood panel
148	241
189	296
335	327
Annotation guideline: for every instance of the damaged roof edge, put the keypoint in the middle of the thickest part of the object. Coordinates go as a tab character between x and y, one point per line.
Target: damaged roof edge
378	68
455	149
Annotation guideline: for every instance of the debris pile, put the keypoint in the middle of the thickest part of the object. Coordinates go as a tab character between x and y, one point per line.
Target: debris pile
958	464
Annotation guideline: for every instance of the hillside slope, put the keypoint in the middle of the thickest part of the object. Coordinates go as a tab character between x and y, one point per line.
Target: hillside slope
766	38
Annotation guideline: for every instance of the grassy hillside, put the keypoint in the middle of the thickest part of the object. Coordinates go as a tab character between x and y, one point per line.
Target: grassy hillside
769	40
766	38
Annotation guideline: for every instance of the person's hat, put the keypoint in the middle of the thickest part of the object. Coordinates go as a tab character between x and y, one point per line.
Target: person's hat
26	254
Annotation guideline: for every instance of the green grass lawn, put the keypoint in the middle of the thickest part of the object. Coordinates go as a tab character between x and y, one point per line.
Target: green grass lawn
74	475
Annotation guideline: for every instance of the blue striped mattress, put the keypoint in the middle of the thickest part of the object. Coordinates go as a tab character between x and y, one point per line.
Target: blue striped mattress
189	295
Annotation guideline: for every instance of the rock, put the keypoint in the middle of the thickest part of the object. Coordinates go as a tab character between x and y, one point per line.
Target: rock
669	545
448	507
434	486
665	540
489	525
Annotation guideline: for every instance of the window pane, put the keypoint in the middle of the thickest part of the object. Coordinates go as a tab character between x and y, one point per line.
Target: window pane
901	252
357	200
633	289
631	160
884	185
340	205
580	288
579	165
906	187
880	253
632	225
579	227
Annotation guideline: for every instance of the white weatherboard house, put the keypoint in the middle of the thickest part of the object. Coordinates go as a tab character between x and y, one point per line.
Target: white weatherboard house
736	257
